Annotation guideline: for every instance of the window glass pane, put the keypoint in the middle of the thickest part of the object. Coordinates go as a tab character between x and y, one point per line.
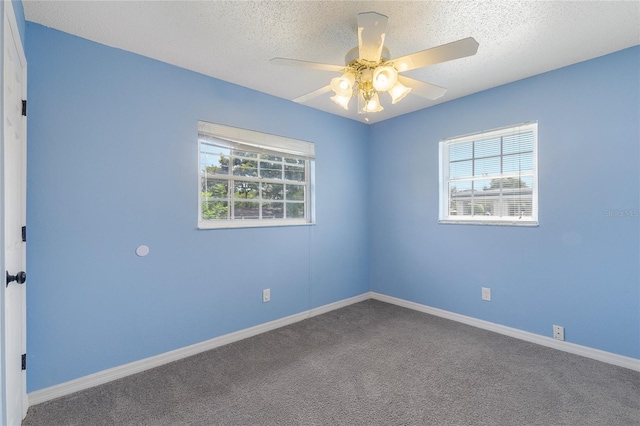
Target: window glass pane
460	186
463	207
215	188
246	210
460	151
517	196
246	154
218	165
454	200
294	161
270	157
453	208
487	148
517	206
492	186
512	183
461	169
517	143
487	166
483	207
205	147
476	208
517	162
205	161
295	192
482	185
272	210
245	167
294	173
527	180
295	210
246	190
215	210
483	197
272	191
214	162
460	196
271	170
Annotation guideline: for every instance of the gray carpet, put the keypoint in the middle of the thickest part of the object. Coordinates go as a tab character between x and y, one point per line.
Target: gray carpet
367	364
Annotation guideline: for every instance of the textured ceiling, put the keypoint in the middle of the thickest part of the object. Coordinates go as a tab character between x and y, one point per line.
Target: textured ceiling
234	40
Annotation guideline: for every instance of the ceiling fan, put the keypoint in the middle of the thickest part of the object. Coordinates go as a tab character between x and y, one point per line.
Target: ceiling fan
368	70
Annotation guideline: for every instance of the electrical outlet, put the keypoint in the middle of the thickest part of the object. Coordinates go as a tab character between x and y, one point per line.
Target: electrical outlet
266	295
486	294
558	332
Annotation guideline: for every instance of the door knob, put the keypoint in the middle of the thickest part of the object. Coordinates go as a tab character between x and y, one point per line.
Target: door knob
20	277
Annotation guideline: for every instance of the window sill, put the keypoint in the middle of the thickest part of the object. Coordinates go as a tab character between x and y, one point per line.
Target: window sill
235	224
528	223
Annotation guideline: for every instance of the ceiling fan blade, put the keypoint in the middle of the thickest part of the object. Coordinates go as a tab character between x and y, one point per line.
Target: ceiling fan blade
420	88
446	52
306	64
372	27
311	95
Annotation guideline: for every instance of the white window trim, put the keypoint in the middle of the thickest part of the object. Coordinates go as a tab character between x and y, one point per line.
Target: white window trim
258	140
443	216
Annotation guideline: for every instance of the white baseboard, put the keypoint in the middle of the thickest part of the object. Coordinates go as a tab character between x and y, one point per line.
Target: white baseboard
101	377
585	351
115	373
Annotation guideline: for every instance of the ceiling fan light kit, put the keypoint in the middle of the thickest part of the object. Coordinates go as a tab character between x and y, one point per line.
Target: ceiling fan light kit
343	85
398	92
342	101
368	71
384	78
369	101
369	79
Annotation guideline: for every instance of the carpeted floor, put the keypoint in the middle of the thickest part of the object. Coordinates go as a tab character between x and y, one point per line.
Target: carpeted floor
367	364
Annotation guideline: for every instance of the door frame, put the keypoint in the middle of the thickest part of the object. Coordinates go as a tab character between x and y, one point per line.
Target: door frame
8	14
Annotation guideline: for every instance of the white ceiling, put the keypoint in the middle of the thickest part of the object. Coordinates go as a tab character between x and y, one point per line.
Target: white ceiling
234	40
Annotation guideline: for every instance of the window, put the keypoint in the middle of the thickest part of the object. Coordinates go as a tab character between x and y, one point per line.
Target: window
490	177
250	178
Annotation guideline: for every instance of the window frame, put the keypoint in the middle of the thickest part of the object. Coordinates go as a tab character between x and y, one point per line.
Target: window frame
261	144
444	179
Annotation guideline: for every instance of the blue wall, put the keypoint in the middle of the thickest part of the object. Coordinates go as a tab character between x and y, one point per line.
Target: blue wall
112	158
580	267
113	164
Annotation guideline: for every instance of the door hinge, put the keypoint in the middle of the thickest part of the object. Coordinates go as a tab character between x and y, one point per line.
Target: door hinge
24	107
24	361
24	234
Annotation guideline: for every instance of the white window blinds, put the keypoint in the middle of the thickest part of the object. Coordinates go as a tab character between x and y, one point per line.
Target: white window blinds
490	177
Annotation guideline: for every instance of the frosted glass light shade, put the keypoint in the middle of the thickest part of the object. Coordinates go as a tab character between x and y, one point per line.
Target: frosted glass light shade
373	104
343	85
384	78
342	101
398	91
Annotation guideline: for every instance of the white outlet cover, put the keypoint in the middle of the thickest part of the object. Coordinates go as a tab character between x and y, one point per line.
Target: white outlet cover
558	332
486	294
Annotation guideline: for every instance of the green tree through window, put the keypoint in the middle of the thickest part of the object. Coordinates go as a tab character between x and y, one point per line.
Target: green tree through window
242	184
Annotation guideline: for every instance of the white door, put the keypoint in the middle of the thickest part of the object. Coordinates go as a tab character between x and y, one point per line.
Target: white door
13	191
